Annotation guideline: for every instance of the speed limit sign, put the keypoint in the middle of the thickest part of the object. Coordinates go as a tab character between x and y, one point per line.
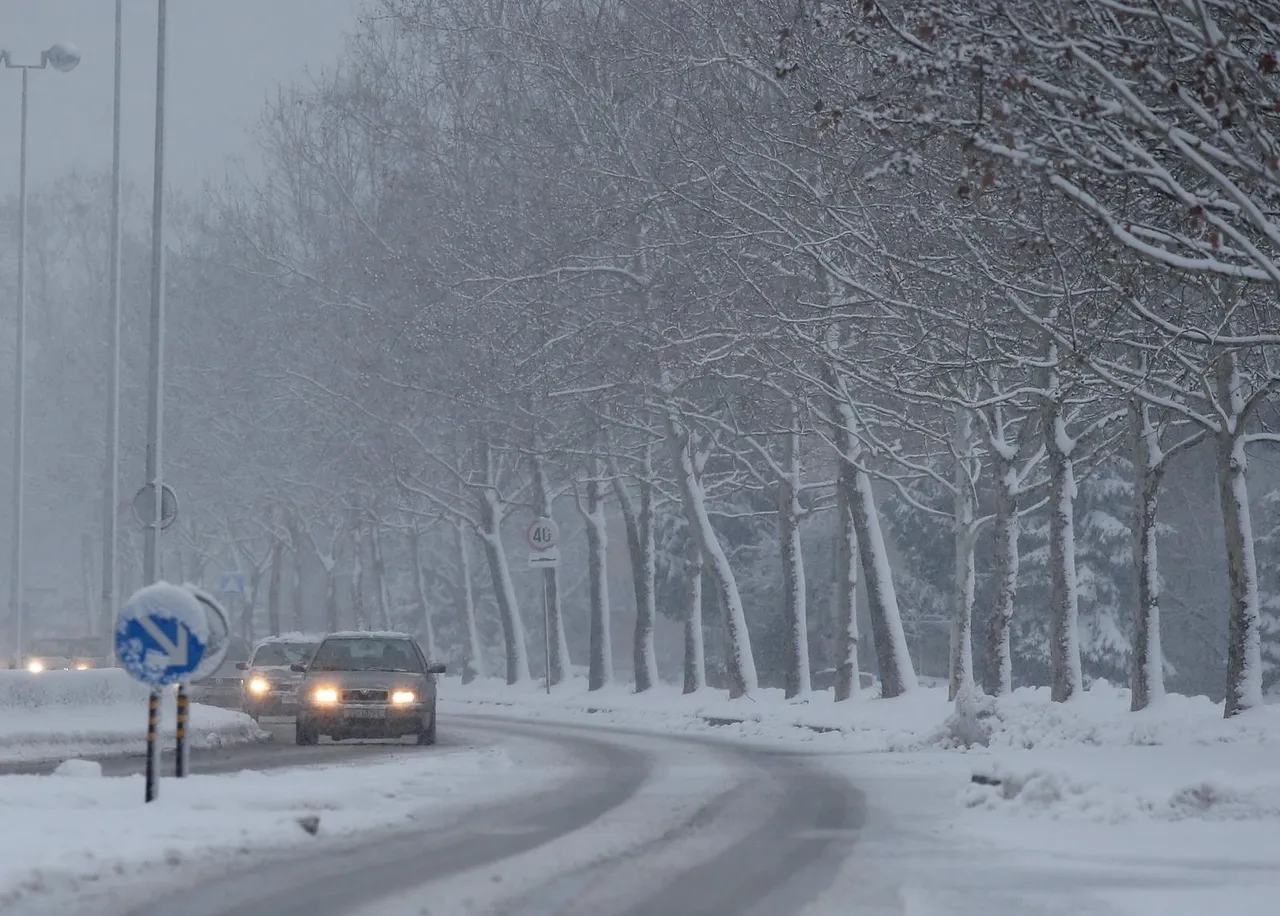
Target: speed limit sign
542	534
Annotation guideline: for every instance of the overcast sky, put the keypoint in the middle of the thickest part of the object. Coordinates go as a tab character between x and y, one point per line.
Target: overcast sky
224	58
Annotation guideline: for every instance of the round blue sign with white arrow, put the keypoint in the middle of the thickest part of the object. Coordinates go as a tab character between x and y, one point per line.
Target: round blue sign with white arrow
162	634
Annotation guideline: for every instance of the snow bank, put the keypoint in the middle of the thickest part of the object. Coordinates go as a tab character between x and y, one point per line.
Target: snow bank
76	832
103	711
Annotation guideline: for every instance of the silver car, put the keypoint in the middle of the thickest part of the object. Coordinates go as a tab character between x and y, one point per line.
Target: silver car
367	685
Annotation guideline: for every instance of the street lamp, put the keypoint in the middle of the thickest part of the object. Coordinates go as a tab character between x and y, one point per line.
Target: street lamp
63	56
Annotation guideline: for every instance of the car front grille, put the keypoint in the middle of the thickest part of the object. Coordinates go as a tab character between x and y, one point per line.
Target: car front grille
364	696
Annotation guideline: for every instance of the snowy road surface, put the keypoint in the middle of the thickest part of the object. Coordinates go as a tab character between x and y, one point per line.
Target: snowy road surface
637	824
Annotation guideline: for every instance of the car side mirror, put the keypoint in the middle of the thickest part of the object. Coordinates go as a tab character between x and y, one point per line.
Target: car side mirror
436	668
242	666
301	669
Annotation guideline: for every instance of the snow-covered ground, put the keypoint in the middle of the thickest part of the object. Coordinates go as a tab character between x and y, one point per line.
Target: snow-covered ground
75	831
1166	812
84	713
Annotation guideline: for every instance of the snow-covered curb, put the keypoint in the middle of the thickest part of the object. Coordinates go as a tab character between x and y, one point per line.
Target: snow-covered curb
91	713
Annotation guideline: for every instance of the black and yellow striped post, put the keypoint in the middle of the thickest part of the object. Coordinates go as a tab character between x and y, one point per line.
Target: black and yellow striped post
153	745
180	750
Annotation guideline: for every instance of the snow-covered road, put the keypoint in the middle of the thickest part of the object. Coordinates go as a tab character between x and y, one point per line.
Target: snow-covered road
517	817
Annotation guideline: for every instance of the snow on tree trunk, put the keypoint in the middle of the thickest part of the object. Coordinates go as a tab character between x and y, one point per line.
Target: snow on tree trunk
695	657
381	588
600	664
897	674
998	659
795	612
273	587
741	664
473	665
504	590
1244	625
1066	678
848	683
641	552
551	582
1147	675
965	579
357	579
420	591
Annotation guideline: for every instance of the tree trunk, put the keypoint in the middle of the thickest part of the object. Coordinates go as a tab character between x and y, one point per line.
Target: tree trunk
381	588
295	585
897	675
1066	678
695	656
642	555
1147	675
600	669
473	665
960	670
998	663
551	583
848	682
273	588
1244	625
247	623
741	664
331	595
420	592
795	610
357	578
491	514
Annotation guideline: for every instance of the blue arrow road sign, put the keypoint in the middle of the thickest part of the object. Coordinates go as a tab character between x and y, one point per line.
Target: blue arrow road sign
161	634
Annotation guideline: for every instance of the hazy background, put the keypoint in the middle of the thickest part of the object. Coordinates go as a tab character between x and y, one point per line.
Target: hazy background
225	57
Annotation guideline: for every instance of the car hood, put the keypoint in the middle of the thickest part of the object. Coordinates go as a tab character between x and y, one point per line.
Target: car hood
345	680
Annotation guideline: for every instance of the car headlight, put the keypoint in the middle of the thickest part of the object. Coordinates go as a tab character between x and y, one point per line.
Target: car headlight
83	666
259	685
35	666
403	696
325	695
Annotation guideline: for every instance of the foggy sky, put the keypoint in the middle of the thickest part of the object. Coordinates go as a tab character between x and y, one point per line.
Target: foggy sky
224	58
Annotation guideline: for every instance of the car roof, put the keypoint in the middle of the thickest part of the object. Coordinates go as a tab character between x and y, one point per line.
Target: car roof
369	634
310	639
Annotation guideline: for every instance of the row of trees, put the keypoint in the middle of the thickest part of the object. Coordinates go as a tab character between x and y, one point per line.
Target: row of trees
907	307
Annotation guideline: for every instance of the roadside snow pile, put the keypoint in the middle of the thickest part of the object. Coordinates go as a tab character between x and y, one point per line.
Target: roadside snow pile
104	711
76	831
866	724
1099	717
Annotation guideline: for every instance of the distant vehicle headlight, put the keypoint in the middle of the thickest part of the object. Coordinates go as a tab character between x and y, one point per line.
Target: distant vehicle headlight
403	696
259	685
35	666
325	695
83	666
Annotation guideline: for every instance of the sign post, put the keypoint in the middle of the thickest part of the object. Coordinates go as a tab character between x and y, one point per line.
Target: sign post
164	635
543	537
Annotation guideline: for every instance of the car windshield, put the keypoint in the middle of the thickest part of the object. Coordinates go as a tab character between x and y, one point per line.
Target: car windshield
283	654
367	654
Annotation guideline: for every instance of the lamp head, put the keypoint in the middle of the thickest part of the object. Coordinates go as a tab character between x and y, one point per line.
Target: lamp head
63	56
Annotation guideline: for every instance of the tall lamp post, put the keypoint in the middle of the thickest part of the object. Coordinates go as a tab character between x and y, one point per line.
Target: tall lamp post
63	56
111	470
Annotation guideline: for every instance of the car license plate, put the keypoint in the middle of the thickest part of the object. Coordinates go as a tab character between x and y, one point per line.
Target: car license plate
365	712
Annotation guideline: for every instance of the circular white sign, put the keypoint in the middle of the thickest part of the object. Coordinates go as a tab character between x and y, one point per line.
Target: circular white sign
542	534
